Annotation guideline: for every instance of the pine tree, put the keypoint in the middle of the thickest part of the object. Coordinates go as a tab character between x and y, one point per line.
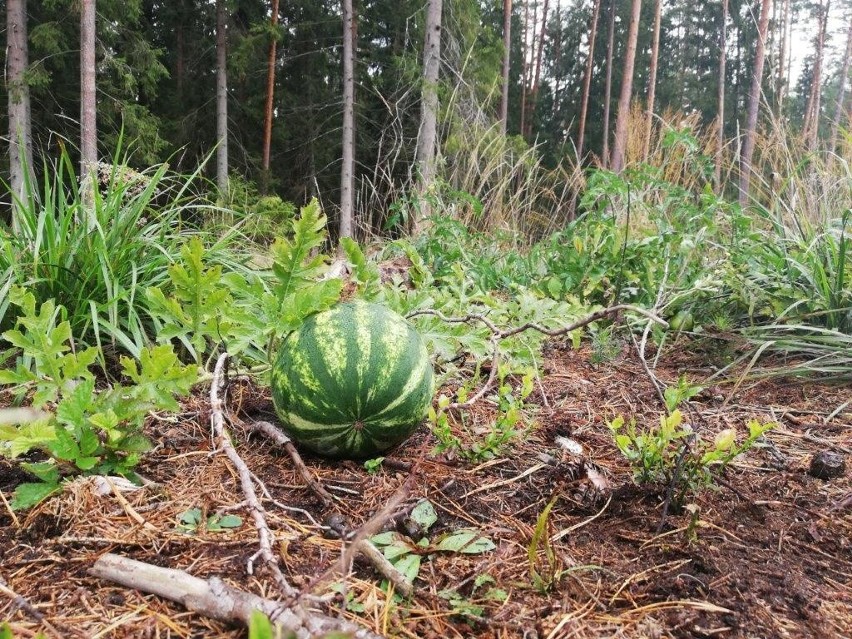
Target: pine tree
347	171
620	144
20	129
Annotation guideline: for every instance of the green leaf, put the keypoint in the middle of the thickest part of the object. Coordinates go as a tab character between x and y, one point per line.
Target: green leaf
409	566
28	495
216	523
424	514
384	539
45	471
465	541
259	626
292	264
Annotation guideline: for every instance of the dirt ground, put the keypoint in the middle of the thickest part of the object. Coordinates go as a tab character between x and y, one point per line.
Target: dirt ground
768	554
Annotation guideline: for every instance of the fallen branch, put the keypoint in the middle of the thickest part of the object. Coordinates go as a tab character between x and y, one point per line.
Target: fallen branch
265	536
498	334
278	436
214	598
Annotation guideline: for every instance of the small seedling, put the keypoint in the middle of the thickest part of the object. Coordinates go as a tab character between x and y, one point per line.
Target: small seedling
373	466
191	522
406	554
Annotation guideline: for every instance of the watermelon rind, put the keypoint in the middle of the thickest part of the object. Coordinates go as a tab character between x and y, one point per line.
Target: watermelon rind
352	381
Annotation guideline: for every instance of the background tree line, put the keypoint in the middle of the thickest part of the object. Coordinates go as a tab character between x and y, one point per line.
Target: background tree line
551	73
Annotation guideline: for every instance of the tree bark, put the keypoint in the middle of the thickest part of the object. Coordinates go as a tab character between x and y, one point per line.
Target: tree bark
427	140
507	58
620	143
525	67
608	88
222	98
18	91
88	100
720	117
841	90
812	113
270	96
782	58
587	80
753	103
652	76
537	78
347	171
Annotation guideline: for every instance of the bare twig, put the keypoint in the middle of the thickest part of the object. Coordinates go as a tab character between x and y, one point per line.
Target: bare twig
265	536
278	436
214	598
21	603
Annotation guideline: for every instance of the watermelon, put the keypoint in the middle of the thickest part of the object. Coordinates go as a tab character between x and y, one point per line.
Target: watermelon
352	381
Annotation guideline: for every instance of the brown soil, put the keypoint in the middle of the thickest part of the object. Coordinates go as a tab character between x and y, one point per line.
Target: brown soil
769	554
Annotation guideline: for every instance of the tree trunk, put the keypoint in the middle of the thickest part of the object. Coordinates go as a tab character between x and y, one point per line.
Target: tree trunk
526	68
782	58
347	171
652	76
608	88
270	95
720	133
88	100
427	140
812	113
620	143
753	103
841	90
222	98
535	85
18	91
587	80
507	57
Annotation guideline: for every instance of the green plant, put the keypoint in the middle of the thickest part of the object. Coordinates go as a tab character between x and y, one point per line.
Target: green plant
80	427
485	443
95	259
193	520
482	593
372	466
672	454
683	392
406	554
543	574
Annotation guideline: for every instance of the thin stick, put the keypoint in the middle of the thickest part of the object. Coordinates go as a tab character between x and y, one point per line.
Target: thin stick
22	603
265	536
278	436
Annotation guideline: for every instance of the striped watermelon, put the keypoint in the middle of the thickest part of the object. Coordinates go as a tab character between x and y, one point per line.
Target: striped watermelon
352	381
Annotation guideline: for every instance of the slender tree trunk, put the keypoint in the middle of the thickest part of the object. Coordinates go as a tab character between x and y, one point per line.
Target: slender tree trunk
652	79
782	58
720	133
557	65
535	86
507	58
427	140
753	103
347	171
222	98
620	143
18	91
587	80
608	87
270	99
841	90
88	100
812	113
525	70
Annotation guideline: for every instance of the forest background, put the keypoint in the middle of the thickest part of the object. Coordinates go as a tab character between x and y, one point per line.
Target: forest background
156	69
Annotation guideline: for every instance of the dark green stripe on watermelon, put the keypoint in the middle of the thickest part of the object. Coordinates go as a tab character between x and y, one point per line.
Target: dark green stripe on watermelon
352	381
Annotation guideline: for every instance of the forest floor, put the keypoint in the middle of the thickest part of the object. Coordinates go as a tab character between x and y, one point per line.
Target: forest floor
769	553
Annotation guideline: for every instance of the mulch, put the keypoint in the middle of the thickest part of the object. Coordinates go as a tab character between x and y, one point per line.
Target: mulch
768	553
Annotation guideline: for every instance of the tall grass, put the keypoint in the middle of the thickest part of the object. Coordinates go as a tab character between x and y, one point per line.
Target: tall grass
95	253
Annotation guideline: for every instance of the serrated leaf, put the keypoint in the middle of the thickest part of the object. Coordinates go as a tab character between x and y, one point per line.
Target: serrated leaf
466	541
29	495
424	514
74	406
64	446
292	264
